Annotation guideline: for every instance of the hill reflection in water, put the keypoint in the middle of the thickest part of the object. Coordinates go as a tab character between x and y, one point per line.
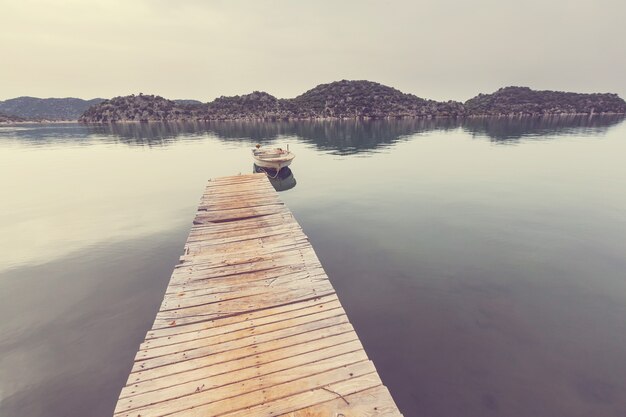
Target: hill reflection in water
345	137
341	137
515	128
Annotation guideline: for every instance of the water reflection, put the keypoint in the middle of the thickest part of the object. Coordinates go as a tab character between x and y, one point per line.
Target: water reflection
341	137
282	180
44	134
515	128
346	137
150	134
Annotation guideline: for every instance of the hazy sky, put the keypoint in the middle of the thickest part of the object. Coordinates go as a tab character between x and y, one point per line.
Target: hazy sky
202	49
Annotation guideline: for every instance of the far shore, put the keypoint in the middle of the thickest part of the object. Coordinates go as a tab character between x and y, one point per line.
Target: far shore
320	119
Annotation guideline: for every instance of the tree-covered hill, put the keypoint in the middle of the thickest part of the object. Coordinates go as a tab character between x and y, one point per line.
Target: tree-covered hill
347	99
47	108
257	105
6	118
524	101
140	108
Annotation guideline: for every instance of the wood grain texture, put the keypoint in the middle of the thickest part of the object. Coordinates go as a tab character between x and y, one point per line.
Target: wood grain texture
250	324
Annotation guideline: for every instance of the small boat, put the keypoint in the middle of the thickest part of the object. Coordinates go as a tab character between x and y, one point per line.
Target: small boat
274	158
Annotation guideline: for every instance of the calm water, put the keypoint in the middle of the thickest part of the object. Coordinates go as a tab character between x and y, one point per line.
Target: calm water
483	264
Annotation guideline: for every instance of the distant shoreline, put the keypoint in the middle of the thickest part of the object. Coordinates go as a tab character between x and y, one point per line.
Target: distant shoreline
39	122
353	100
339	100
320	119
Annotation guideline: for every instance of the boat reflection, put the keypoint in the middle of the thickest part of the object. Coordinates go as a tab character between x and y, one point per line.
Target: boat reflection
282	180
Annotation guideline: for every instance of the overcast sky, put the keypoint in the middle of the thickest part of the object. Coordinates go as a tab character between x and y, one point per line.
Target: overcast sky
202	49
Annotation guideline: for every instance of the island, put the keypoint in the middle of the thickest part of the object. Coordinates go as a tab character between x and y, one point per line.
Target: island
47	109
524	101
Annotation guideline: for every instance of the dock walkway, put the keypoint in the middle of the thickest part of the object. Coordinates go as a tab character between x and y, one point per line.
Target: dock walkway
250	325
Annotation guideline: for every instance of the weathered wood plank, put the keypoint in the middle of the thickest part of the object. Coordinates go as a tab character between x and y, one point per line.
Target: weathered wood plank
338	390
372	402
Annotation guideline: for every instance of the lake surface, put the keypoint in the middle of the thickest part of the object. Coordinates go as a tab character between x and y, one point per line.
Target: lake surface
483	263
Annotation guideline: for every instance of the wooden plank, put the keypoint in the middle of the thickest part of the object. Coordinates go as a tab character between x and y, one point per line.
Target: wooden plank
372	402
236	214
250	324
356	383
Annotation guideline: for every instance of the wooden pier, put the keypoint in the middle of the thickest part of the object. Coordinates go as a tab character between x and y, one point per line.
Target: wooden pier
250	325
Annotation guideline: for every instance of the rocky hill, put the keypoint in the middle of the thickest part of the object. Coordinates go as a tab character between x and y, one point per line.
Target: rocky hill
186	101
140	108
46	108
255	106
524	101
348	99
351	99
5	118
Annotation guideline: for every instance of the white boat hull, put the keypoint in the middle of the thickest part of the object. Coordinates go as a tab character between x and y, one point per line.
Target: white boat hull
277	165
272	158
